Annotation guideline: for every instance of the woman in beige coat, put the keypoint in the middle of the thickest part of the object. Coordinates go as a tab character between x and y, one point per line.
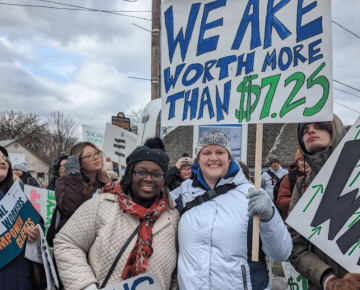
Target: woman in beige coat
88	244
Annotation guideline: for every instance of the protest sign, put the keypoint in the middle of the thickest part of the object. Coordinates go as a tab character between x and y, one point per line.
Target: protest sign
121	121
118	143
147	121
142	282
256	61
93	135
294	280
16	214
17	158
329	211
43	200
38	252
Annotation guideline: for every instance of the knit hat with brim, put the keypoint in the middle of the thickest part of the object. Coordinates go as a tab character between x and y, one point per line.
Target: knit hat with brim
145	153
213	138
273	158
22	166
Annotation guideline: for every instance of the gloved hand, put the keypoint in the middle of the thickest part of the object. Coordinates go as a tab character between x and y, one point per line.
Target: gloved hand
260	203
351	281
72	165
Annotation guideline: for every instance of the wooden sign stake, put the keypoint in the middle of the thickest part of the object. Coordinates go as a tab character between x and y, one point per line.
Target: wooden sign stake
258	165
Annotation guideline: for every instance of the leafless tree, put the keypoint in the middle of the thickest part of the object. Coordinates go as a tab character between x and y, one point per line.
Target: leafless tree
62	130
26	128
135	119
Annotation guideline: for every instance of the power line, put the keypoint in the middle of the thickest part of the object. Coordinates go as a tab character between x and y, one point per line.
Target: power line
141	27
77	9
346	107
139	78
346	29
347	85
347	92
91	9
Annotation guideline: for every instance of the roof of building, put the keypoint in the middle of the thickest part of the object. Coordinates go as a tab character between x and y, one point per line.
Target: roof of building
5	143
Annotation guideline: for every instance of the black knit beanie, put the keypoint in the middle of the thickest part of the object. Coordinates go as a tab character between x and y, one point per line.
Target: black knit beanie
146	153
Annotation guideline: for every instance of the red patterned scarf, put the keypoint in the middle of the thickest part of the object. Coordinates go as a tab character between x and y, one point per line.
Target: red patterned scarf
140	254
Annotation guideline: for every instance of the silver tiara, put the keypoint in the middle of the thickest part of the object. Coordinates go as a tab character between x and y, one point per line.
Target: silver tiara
214	138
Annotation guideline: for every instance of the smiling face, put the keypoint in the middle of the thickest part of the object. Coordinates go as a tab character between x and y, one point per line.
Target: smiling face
4	167
304	166
90	162
214	162
315	139
144	191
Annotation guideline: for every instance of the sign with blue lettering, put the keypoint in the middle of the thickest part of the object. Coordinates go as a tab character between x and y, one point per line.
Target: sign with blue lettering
254	61
142	282
16	214
328	213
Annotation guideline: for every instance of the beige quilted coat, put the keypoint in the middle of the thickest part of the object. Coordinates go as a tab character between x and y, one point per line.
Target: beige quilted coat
87	245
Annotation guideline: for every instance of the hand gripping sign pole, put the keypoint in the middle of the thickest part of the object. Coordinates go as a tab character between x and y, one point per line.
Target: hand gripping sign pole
256	219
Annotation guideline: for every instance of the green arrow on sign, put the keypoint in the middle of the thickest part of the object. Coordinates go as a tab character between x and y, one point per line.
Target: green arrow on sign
316	230
357	218
356	177
358	133
354	248
321	188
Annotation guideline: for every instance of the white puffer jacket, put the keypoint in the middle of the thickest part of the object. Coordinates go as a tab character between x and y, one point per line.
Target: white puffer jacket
88	244
215	240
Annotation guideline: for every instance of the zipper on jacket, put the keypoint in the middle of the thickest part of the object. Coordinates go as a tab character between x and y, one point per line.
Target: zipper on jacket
243	270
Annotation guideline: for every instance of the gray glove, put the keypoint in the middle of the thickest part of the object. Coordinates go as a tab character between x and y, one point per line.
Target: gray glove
72	165
260	203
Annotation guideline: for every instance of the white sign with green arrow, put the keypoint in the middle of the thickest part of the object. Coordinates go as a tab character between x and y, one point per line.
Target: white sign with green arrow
328	214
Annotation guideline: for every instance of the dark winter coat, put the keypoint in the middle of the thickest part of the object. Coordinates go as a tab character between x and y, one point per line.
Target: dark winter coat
285	192
30	180
71	193
52	184
172	178
313	263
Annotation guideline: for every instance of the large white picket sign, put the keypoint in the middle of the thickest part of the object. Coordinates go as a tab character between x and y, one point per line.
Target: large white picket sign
142	282
93	135
329	211
118	143
255	61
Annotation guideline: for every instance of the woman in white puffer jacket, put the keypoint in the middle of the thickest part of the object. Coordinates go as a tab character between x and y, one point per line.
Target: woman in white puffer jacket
215	234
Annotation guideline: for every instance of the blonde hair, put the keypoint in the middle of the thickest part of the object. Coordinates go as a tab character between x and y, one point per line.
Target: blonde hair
101	175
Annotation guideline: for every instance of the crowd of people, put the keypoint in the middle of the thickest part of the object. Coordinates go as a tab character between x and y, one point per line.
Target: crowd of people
190	224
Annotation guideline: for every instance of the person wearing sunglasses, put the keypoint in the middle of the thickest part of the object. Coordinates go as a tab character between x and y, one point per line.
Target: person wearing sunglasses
136	216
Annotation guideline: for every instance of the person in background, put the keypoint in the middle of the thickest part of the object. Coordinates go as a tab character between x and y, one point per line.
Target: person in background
317	141
84	176
20	169
95	234
20	273
296	169
272	175
215	228
57	169
179	173
245	170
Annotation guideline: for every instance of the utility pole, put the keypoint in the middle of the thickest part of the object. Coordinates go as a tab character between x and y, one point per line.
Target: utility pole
155	50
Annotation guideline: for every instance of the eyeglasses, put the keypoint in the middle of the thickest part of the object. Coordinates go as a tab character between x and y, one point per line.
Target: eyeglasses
6	159
142	174
93	156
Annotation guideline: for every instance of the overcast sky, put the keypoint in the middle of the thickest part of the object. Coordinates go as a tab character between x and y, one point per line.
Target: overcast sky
78	62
